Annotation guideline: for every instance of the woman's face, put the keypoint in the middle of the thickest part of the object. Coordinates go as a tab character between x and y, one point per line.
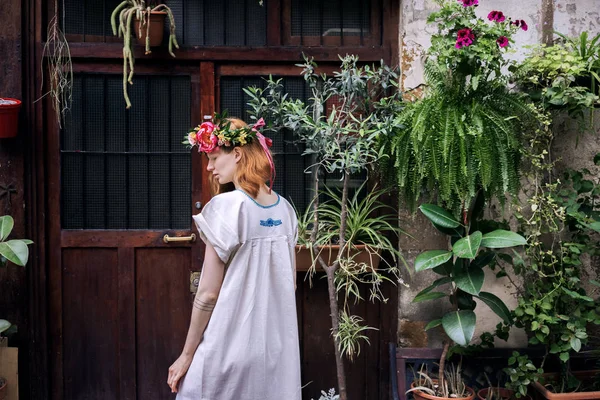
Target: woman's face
223	165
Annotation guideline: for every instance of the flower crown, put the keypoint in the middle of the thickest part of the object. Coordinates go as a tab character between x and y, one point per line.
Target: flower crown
210	135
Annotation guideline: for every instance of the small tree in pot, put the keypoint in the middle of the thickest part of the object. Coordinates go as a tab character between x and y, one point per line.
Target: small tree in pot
339	130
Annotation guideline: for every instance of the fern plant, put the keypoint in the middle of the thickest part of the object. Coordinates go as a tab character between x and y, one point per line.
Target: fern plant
458	139
464	134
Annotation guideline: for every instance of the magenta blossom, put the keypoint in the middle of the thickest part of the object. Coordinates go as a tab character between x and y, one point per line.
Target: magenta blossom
469	3
521	24
502	41
497	16
464	38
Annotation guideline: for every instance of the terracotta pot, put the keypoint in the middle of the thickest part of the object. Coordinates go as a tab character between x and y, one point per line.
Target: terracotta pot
329	254
581	375
157	23
418	395
3	390
505	394
9	118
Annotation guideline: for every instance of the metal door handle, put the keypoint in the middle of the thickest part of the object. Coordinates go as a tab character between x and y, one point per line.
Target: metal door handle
169	239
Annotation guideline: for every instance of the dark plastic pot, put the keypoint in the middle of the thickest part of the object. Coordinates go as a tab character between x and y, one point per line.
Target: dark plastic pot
9	118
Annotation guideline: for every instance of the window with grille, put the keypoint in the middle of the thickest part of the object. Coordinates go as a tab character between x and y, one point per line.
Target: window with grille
126	169
331	17
199	22
292	181
332	22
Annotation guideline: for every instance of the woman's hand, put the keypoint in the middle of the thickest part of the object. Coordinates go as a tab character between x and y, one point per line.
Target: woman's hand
177	371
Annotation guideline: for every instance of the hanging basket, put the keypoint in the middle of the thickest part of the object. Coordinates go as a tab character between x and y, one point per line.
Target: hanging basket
157	23
9	117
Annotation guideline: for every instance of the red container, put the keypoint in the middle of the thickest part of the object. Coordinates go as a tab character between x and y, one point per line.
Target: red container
9	118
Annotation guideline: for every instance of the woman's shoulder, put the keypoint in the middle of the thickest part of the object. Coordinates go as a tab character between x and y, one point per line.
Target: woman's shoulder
227	200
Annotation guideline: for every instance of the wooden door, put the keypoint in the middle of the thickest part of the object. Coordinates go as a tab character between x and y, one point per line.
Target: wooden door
119	181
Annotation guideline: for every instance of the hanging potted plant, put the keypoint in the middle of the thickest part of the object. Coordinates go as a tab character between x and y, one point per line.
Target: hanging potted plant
147	23
9	117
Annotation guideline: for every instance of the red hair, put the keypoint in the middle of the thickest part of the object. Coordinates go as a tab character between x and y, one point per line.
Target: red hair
253	169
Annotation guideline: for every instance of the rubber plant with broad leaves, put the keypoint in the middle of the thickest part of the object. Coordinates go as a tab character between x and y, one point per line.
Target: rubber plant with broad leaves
474	243
14	251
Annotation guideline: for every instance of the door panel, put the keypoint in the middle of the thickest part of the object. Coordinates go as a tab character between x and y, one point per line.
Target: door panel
90	315
163	309
120	294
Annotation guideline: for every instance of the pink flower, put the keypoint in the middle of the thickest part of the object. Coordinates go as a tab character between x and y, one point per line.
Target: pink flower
192	139
502	41
469	3
497	16
521	23
207	142
464	38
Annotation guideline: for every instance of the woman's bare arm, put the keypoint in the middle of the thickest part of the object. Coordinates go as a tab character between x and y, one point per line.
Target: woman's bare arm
204	304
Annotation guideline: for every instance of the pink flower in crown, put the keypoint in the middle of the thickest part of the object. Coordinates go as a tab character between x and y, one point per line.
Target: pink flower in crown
497	16
192	139
502	41
207	142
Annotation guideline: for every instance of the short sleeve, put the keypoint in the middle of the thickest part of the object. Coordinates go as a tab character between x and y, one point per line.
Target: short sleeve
215	230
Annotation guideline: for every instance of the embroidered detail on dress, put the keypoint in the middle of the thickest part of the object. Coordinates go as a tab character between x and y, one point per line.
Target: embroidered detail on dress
270	222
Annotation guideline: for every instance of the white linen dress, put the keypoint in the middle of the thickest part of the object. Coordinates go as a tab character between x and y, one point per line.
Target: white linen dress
250	348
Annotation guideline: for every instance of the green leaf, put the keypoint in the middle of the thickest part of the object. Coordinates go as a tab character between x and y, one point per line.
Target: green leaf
483	259
6	225
576	295
500	239
428	296
564	357
470	279
4	325
460	326
439	216
15	251
575	344
433	324
444	269
432	258
496	305
597	159
468	246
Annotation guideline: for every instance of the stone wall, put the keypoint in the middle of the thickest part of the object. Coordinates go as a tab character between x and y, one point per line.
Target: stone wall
567	16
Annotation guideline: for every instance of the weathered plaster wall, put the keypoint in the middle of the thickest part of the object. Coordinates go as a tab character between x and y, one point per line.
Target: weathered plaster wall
568	16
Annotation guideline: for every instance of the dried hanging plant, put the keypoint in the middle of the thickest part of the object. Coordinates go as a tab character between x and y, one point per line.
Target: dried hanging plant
60	69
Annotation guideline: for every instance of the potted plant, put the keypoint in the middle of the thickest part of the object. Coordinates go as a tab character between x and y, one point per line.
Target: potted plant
339	130
148	28
464	133
9	117
550	75
473	245
366	231
16	252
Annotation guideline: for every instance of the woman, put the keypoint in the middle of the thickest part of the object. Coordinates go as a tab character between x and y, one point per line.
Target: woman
242	343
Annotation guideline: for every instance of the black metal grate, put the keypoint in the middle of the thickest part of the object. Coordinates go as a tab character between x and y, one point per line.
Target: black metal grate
126	169
198	22
331	17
